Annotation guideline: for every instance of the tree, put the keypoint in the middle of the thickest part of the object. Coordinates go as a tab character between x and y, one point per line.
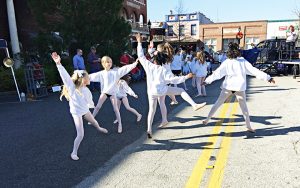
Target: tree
180	10
83	23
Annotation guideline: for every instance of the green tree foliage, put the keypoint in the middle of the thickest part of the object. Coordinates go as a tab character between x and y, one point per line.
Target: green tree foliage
83	23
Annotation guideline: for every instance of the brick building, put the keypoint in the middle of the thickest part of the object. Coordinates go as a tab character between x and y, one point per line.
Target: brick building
218	35
135	11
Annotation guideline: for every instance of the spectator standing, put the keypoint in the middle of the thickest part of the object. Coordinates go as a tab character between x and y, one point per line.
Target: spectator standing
78	61
291	37
94	62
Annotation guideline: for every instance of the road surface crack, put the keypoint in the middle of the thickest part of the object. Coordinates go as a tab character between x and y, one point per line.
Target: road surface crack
296	146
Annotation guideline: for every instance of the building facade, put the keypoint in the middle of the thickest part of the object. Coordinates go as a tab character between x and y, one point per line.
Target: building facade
184	28
217	36
135	11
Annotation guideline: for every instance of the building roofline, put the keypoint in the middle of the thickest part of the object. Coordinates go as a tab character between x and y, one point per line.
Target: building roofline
235	22
286	20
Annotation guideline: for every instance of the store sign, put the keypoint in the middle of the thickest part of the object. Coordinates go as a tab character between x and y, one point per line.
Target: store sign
230	30
282	28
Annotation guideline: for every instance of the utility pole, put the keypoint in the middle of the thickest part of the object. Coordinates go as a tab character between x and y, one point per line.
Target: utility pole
179	32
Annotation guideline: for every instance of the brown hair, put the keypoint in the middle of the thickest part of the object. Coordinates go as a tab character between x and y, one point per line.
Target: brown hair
169	50
233	51
200	56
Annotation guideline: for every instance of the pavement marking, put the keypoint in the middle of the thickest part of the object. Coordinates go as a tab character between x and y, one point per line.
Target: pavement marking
200	167
218	171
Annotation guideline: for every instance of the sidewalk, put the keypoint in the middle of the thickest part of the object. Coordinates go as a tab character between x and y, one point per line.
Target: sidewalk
187	153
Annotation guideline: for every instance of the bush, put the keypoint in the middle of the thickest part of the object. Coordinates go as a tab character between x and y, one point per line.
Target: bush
51	72
7	82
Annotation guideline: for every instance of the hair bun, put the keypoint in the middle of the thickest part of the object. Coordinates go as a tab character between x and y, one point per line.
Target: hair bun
233	46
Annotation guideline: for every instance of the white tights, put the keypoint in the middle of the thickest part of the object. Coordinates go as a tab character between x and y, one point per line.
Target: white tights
200	87
194	81
161	100
241	97
113	100
127	106
79	129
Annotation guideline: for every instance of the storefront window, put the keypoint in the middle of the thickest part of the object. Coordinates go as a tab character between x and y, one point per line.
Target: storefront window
210	45
250	41
226	42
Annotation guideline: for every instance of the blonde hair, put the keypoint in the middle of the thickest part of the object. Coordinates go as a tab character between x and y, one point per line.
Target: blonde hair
78	82
106	59
200	56
160	47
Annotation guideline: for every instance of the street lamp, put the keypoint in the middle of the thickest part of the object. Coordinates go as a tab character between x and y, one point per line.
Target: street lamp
8	62
149	28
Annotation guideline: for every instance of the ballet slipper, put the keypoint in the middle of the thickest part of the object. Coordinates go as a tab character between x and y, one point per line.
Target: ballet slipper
198	106
103	130
74	157
173	103
119	129
139	117
163	124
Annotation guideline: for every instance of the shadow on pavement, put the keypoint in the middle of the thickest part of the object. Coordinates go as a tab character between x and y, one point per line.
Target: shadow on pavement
170	145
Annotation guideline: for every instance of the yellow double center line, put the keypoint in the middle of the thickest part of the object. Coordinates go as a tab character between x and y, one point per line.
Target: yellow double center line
200	168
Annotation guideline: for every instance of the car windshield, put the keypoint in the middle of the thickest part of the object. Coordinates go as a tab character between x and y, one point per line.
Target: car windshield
261	44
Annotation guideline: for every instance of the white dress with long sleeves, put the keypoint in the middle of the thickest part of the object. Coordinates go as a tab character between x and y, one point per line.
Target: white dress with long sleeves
80	99
235	72
109	79
123	89
157	76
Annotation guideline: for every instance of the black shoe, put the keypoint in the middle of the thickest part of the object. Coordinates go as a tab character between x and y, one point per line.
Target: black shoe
149	135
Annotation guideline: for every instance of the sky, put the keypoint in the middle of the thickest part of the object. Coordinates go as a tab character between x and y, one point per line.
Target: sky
227	10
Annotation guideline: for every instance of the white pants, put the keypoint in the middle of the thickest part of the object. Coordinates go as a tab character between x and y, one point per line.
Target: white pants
114	103
241	97
200	87
153	99
79	128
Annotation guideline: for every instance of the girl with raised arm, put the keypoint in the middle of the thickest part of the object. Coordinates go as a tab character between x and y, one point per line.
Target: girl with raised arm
80	100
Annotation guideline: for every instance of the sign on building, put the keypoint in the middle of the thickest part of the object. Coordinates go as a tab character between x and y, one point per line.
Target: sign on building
279	28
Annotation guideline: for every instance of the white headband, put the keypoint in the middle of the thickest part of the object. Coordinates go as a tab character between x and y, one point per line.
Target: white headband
79	73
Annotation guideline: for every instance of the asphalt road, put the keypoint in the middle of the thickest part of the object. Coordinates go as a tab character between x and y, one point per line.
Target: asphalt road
37	139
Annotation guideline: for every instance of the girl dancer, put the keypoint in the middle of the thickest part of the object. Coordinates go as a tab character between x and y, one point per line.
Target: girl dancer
108	79
122	89
177	62
157	79
186	68
80	100
235	69
201	73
